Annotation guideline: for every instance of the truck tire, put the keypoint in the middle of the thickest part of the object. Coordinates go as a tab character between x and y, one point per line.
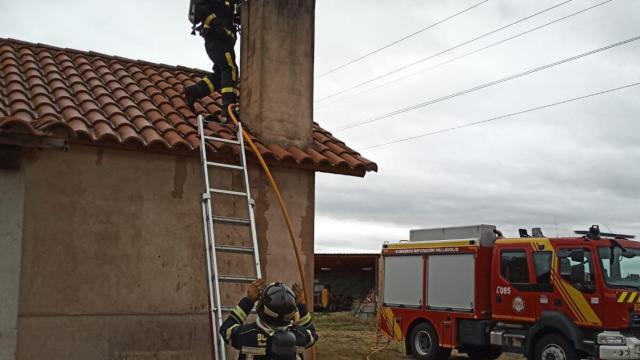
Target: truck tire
423	343
554	347
483	352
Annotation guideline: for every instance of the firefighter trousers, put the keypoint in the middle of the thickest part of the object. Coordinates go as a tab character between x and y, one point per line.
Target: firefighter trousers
220	50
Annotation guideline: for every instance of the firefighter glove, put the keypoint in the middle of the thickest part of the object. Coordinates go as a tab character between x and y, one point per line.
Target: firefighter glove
299	292
255	289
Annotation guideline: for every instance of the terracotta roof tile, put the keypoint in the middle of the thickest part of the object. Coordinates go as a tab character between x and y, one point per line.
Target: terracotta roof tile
97	97
280	153
10	124
317	157
127	133
300	156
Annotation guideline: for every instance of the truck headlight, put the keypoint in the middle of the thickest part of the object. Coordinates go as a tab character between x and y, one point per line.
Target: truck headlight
611	338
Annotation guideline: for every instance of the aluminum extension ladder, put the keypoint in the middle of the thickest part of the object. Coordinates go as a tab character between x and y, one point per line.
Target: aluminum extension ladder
209	219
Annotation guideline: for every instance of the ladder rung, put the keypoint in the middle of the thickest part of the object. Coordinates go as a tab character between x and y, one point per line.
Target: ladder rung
228	192
228	166
225	308
219	139
231	220
231	308
235	249
235	278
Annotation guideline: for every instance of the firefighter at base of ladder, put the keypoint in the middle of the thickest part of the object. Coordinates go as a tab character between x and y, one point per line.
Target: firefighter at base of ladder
217	21
283	329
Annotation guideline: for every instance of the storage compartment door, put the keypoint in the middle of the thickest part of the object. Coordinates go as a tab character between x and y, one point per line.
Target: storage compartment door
403	280
451	282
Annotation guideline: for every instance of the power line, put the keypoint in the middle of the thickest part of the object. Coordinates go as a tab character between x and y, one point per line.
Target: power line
468	54
439	53
501	117
399	40
489	84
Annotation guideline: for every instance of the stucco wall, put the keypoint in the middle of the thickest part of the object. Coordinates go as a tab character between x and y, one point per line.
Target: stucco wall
113	258
11	211
277	45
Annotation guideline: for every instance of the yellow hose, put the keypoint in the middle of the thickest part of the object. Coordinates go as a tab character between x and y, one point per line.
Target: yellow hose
283	207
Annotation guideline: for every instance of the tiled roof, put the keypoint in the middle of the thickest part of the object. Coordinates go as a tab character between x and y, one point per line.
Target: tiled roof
113	101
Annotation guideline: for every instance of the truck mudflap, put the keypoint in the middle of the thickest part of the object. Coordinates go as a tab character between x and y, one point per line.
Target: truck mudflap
629	350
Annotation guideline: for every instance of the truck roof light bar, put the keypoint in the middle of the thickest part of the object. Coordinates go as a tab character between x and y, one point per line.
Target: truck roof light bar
536	232
594	234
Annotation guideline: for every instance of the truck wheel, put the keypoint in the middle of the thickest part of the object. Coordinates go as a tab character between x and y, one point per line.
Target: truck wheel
554	347
424	343
483	352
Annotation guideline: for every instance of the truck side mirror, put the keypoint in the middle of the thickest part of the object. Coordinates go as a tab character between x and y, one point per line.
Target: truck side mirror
577	256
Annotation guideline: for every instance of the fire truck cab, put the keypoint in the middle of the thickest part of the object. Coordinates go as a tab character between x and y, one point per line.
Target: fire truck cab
473	290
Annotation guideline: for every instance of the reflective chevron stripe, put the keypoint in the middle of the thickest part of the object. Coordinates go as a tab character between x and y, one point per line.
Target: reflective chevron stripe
628	297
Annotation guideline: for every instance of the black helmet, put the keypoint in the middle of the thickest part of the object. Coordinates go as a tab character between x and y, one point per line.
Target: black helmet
277	305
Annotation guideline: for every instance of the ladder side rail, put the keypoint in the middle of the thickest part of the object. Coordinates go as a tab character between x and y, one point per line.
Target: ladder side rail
203	153
212	263
218	306
250	202
212	300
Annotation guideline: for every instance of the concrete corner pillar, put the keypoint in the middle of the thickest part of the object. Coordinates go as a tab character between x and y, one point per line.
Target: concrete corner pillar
277	70
11	220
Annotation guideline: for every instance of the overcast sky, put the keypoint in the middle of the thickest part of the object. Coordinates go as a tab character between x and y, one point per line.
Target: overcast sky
561	168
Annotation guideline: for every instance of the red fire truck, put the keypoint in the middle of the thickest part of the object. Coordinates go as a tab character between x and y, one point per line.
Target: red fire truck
473	290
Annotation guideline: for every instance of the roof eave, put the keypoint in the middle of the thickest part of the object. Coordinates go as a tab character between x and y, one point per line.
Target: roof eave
158	149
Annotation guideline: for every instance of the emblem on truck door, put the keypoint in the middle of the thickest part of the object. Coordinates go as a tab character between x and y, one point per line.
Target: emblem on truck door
517	304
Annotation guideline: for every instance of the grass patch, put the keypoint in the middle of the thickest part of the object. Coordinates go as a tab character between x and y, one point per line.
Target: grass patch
343	337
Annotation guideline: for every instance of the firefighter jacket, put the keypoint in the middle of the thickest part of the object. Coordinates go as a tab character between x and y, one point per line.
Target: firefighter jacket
253	340
215	13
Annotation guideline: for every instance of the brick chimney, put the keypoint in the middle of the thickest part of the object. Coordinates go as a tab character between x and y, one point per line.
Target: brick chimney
277	70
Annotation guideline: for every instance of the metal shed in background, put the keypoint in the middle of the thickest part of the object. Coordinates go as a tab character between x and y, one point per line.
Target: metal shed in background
349	276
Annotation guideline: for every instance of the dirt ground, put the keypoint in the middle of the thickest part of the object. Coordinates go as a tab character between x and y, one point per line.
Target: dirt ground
342	337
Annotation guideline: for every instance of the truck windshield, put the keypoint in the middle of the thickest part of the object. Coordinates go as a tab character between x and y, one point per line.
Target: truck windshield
621	267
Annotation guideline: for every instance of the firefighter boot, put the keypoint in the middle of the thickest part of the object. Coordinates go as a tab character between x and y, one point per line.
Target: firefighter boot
229	98
195	92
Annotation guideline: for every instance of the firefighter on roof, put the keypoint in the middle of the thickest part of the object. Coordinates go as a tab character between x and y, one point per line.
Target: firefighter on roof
283	329
217	22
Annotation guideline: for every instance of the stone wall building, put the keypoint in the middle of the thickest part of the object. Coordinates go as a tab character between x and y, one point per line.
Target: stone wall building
101	250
